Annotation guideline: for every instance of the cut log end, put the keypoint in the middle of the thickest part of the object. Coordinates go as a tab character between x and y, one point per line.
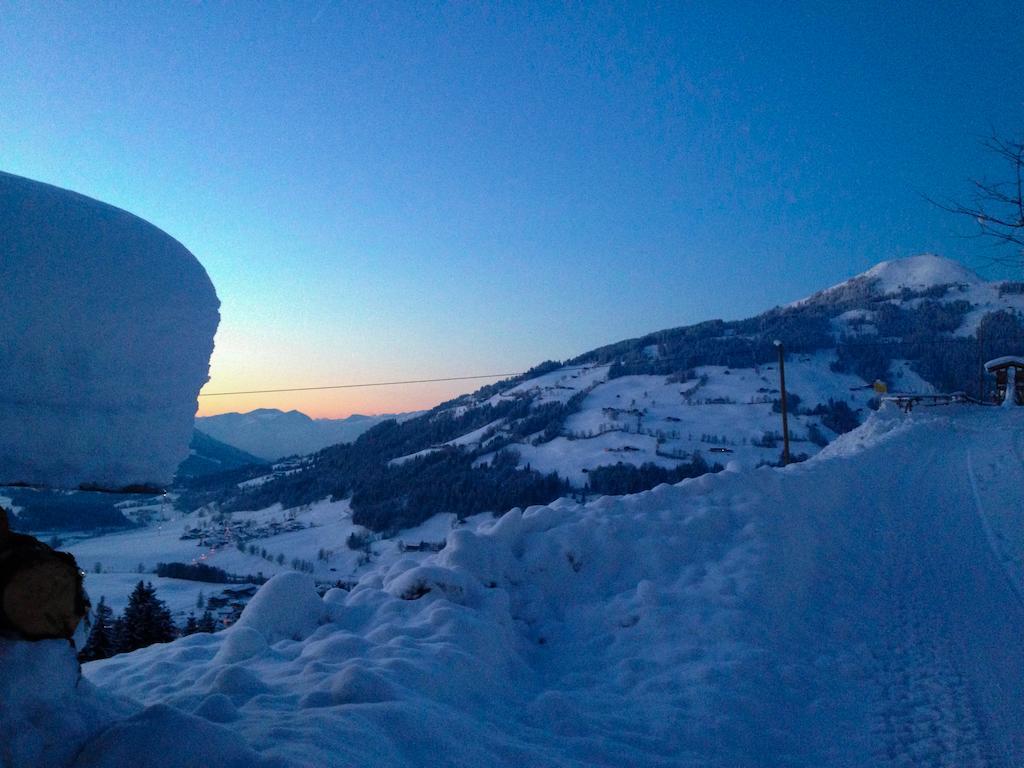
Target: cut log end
41	593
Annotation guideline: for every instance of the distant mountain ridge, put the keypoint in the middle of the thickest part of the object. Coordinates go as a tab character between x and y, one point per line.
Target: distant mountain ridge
667	405
271	434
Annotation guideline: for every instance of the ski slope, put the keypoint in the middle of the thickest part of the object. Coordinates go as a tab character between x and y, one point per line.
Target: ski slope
862	608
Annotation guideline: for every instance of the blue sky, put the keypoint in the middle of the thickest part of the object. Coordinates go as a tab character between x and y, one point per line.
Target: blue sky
404	190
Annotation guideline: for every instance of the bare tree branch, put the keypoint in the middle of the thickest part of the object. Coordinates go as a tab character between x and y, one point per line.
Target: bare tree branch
997	207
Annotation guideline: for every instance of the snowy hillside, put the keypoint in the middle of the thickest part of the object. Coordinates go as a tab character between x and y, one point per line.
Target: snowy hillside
862	608
208	456
914	273
670	405
272	434
916	279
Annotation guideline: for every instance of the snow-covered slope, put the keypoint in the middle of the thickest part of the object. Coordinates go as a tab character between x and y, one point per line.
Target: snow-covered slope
913	273
862	608
641	411
272	434
106	330
909	281
728	414
208	456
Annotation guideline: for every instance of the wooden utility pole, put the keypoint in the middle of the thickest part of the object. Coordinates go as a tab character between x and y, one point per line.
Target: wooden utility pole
785	414
981	369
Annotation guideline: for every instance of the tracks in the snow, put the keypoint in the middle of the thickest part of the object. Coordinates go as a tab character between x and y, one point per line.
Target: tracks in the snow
926	715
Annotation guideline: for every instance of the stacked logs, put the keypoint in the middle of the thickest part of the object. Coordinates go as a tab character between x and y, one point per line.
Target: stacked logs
41	594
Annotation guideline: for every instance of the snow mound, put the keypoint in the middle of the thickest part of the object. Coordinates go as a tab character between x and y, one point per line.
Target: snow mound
286	608
39	684
163	737
106	331
419	581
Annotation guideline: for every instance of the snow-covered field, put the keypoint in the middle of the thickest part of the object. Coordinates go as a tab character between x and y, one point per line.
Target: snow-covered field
862	608
114	563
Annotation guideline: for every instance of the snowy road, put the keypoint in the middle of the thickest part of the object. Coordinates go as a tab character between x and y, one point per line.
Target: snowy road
911	651
861	609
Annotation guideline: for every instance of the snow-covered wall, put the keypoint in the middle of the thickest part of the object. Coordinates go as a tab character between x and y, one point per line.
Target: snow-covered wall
106	331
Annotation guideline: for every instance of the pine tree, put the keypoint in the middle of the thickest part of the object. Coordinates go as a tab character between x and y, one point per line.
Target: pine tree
118	634
206	623
101	642
147	619
191	626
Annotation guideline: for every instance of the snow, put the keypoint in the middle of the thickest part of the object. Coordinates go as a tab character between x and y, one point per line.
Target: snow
886	281
470	439
1009	397
638	419
38	681
920	272
106	332
153	739
558	385
907	381
861	608
399	460
837	612
326	526
1001	361
287	606
913	273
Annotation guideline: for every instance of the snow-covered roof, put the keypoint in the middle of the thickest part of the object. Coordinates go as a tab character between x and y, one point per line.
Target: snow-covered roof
1001	362
106	330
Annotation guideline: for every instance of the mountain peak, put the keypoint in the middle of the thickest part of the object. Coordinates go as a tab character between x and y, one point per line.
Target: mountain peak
915	273
919	272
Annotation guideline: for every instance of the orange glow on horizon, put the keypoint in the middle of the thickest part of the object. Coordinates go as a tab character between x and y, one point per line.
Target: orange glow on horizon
338	403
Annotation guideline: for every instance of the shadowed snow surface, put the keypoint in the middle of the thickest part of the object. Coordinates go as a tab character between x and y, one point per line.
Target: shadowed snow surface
863	608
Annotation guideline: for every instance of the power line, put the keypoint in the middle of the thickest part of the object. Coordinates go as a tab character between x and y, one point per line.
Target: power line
366	384
687	356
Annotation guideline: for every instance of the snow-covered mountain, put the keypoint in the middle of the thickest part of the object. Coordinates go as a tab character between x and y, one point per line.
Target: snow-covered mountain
862	608
272	434
629	415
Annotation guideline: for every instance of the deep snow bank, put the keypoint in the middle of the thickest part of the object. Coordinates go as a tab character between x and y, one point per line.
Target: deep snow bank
863	608
106	330
46	713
